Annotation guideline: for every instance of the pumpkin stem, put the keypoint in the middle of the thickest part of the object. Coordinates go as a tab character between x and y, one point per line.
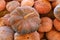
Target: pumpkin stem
28	15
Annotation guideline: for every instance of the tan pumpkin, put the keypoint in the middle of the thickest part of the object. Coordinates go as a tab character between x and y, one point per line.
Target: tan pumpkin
6	33
12	5
27	3
24	19
30	36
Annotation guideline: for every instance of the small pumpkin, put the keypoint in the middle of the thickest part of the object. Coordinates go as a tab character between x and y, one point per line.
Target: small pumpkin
6	33
12	5
53	35
42	6
46	24
24	20
27	3
57	24
2	5
30	36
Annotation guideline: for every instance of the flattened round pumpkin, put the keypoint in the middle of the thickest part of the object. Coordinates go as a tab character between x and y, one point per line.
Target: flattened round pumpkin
24	19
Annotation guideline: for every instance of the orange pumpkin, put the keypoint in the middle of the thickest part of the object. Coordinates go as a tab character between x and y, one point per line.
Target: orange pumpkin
46	24
53	35
12	5
42	6
2	5
57	24
6	33
30	36
24	19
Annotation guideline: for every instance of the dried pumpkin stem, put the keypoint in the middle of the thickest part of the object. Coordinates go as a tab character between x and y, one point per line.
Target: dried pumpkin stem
28	15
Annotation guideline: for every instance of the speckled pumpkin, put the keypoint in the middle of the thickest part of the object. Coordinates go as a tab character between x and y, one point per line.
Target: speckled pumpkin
46	24
2	5
24	19
42	6
6	33
27	3
53	35
30	36
12	5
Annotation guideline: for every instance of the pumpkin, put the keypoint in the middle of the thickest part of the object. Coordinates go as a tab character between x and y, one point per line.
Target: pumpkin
24	20
2	5
30	36
55	3
57	12
46	24
53	35
6	33
12	5
57	24
42	6
5	20
27	3
41	35
18	0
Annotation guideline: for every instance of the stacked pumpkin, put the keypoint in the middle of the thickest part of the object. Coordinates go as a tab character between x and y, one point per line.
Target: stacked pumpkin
29	20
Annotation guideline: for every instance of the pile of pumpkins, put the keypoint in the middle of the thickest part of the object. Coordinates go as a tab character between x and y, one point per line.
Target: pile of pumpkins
29	20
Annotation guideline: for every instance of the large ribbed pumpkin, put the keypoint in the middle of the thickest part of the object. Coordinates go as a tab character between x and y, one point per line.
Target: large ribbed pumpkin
6	33
24	19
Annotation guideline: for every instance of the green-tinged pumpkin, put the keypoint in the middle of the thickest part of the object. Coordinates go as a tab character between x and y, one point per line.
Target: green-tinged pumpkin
24	20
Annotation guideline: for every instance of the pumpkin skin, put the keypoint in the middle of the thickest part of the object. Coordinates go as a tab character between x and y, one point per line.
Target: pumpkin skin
24	20
6	33
46	24
57	12
27	3
55	3
41	35
30	36
53	35
57	24
12	5
5	20
18	0
2	5
42	6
